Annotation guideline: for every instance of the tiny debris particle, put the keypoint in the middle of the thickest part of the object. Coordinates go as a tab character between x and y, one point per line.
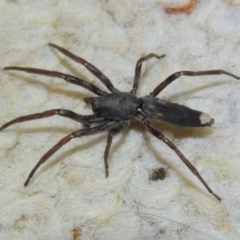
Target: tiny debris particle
76	232
186	8
158	174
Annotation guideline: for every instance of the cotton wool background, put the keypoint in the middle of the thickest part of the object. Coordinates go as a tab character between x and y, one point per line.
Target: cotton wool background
69	197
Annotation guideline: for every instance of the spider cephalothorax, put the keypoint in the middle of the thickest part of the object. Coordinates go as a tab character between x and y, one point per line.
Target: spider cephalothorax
112	111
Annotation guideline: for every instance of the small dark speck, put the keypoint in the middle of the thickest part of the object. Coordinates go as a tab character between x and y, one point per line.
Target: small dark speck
158	174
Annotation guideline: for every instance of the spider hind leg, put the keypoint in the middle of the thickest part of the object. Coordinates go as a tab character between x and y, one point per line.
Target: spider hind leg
161	137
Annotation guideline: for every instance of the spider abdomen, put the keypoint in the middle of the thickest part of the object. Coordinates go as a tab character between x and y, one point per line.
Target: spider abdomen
116	106
174	113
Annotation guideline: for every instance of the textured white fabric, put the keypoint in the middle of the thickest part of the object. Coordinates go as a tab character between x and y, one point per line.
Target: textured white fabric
69	195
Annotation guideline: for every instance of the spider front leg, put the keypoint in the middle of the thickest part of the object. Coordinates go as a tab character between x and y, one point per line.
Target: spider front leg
176	75
88	119
66	77
112	133
161	137
63	141
91	68
138	69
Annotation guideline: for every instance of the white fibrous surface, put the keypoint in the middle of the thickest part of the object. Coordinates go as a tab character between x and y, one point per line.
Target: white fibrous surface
69	196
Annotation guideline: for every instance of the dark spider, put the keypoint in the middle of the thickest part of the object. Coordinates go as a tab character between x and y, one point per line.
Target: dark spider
112	111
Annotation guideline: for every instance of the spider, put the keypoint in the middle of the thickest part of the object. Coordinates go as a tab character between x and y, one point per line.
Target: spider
113	111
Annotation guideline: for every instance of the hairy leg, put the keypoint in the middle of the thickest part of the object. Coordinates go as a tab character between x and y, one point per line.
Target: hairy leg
63	141
161	137
138	69
66	77
112	133
176	75
91	68
88	119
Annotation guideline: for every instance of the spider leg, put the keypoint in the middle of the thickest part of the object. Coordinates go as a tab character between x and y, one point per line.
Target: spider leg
176	75
161	137
88	119
63	141
104	79
138	69
112	133
66	77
